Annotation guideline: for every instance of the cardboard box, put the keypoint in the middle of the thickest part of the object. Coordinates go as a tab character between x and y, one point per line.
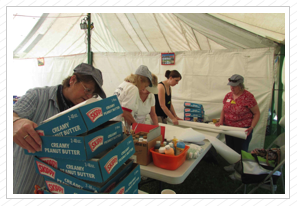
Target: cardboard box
194	119
194	115
107	163
82	147
124	181
142	154
81	118
193	105
146	128
194	110
127	184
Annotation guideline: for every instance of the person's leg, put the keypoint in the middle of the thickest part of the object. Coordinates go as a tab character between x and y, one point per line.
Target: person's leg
245	143
229	141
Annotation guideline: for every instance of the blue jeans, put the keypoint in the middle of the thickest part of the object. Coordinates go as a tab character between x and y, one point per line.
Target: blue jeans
238	144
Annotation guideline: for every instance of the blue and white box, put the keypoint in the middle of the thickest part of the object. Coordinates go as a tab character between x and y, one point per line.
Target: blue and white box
81	118
124	182
108	162
82	147
193	105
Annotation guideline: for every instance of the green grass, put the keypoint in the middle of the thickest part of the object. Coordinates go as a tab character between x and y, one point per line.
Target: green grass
208	177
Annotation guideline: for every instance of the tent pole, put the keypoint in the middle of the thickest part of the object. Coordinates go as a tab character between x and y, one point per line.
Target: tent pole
272	109
280	90
90	53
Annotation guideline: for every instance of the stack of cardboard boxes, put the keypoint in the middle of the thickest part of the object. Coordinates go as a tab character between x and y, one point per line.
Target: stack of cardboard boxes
83	152
193	112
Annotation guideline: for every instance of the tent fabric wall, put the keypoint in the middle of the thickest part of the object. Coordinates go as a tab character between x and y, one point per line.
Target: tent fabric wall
204	76
27	74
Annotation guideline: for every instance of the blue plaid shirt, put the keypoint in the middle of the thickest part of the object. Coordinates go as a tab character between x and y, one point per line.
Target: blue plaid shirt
36	105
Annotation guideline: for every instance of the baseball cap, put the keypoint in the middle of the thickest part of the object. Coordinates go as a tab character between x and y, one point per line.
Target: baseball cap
144	71
235	80
87	69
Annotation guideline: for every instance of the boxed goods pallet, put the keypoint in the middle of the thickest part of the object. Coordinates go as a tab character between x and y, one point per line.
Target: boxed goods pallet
82	149
193	112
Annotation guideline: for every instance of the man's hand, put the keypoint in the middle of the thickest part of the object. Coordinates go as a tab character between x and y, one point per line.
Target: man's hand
26	136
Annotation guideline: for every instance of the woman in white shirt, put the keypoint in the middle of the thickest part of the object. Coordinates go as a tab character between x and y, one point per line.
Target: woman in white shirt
146	103
128	92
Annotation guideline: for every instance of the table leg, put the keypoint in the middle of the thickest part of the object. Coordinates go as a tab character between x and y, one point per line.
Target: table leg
160	187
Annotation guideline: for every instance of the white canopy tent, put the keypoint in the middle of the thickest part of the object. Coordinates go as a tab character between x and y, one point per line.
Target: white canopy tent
208	48
60	34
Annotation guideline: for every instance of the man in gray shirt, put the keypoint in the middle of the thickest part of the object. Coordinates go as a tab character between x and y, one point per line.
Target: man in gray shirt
39	104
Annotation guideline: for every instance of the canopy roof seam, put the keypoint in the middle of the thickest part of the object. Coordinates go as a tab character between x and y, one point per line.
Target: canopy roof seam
162	32
110	33
32	32
206	36
127	32
248	24
42	36
184	33
73	43
208	43
103	41
137	33
95	46
196	38
144	33
64	35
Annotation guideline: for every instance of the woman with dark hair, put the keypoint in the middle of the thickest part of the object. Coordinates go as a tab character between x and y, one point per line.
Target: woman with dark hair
164	106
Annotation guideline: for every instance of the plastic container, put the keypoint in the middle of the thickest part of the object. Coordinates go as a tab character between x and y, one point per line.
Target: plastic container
157	146
162	150
174	140
180	147
169	150
172	146
190	153
169	162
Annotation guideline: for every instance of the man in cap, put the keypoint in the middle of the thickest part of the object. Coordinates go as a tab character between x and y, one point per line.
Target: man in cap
39	104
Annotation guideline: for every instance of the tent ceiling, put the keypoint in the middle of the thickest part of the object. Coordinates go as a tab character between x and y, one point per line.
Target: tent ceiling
60	34
271	26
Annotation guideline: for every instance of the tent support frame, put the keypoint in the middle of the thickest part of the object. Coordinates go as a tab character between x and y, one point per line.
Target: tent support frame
90	53
280	90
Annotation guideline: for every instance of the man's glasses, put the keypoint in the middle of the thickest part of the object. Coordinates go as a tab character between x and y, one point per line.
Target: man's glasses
88	91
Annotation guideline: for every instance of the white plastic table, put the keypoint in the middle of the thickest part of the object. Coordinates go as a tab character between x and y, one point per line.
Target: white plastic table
180	174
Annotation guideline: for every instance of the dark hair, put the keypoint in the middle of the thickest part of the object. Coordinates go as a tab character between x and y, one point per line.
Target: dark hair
173	74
